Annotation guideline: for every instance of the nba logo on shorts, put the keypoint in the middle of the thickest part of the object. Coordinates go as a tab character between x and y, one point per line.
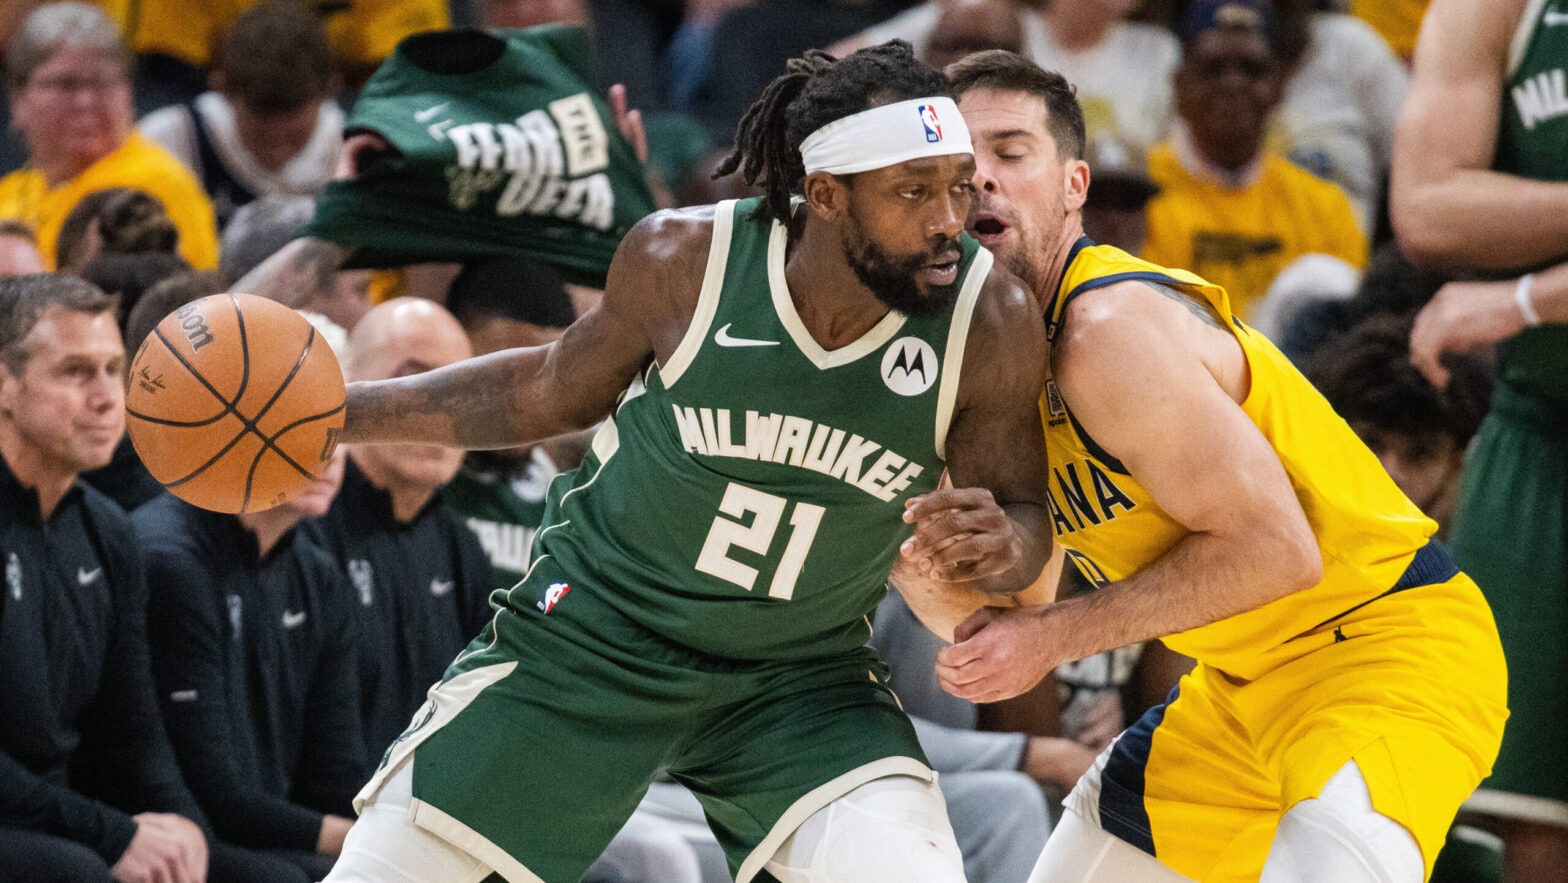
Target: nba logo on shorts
553	596
932	124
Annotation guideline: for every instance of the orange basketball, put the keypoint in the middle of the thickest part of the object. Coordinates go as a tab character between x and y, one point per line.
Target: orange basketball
235	403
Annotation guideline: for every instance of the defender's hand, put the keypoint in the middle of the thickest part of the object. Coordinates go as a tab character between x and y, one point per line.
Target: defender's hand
629	121
1461	317
1000	653
960	534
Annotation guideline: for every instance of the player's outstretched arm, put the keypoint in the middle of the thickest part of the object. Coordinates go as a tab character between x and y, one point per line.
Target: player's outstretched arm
1449	208
983	537
1157	387
520	396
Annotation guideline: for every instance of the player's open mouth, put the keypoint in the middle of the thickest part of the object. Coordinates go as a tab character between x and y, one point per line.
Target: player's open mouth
988	229
944	271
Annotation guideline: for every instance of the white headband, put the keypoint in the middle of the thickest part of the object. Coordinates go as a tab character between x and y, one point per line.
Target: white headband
887	135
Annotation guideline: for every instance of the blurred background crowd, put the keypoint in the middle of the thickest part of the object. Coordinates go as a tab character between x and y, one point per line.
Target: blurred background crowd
162	150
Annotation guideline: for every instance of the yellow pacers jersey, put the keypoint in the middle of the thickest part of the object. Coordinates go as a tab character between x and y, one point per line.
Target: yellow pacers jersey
1111	528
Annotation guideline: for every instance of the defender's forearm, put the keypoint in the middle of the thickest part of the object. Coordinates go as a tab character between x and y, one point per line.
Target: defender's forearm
941	605
1032	532
1201	580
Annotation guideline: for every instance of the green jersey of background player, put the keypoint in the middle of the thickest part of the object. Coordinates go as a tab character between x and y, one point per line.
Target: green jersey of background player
782	384
1480	189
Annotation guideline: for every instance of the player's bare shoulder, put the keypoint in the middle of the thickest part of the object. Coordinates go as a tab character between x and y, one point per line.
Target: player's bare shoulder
658	270
1006	336
1100	327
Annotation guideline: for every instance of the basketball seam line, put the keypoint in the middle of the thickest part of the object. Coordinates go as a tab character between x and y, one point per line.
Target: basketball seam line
268	443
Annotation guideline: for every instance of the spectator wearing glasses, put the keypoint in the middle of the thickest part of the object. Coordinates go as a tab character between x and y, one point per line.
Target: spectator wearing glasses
68	77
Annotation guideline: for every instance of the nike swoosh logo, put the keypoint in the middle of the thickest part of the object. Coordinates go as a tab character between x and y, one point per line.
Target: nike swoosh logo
293	619
723	338
88	577
439	588
424	116
1553	18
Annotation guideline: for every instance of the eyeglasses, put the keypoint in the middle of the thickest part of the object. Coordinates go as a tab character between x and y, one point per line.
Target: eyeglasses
70	85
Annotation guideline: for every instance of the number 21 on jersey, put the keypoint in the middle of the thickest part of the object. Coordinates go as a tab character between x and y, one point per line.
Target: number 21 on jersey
767	511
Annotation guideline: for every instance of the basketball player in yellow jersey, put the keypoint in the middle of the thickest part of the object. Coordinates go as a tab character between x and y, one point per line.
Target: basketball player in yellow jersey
1350	689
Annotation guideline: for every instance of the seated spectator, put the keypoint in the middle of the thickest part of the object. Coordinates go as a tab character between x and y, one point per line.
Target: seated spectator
18	250
1115	211
1342	97
1091	44
268	127
963	27
689	54
253	651
129	276
126	480
1419	432
89	787
119	219
420	579
752	43
174	39
1230	210
70	96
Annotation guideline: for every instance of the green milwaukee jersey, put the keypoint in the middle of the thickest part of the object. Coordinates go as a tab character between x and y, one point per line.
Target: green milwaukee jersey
500	147
503	509
1532	142
746	498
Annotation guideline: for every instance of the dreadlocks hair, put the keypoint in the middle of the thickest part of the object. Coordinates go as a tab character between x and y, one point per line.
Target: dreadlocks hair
815	90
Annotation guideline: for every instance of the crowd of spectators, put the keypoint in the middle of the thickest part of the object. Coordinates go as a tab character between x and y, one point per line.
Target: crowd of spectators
164	150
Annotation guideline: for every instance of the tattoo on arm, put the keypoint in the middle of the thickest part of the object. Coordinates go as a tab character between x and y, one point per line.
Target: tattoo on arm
1193	305
300	272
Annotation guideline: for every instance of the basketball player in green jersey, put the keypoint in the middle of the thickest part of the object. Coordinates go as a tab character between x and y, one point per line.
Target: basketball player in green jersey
782	382
1480	188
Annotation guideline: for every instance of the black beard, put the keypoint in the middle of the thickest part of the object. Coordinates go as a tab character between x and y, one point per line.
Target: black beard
893	279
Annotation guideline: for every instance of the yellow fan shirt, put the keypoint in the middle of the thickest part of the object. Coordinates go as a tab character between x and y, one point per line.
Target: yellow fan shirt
1397	20
137	163
1241	237
361	31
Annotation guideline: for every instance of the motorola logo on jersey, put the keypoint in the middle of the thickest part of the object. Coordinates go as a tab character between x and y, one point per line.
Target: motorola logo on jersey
909	366
932	124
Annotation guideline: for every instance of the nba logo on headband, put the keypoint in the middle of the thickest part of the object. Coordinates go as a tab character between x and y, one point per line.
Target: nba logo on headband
887	135
932	124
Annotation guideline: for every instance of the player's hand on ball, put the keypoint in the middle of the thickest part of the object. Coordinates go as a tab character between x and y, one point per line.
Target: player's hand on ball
961	534
1000	652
